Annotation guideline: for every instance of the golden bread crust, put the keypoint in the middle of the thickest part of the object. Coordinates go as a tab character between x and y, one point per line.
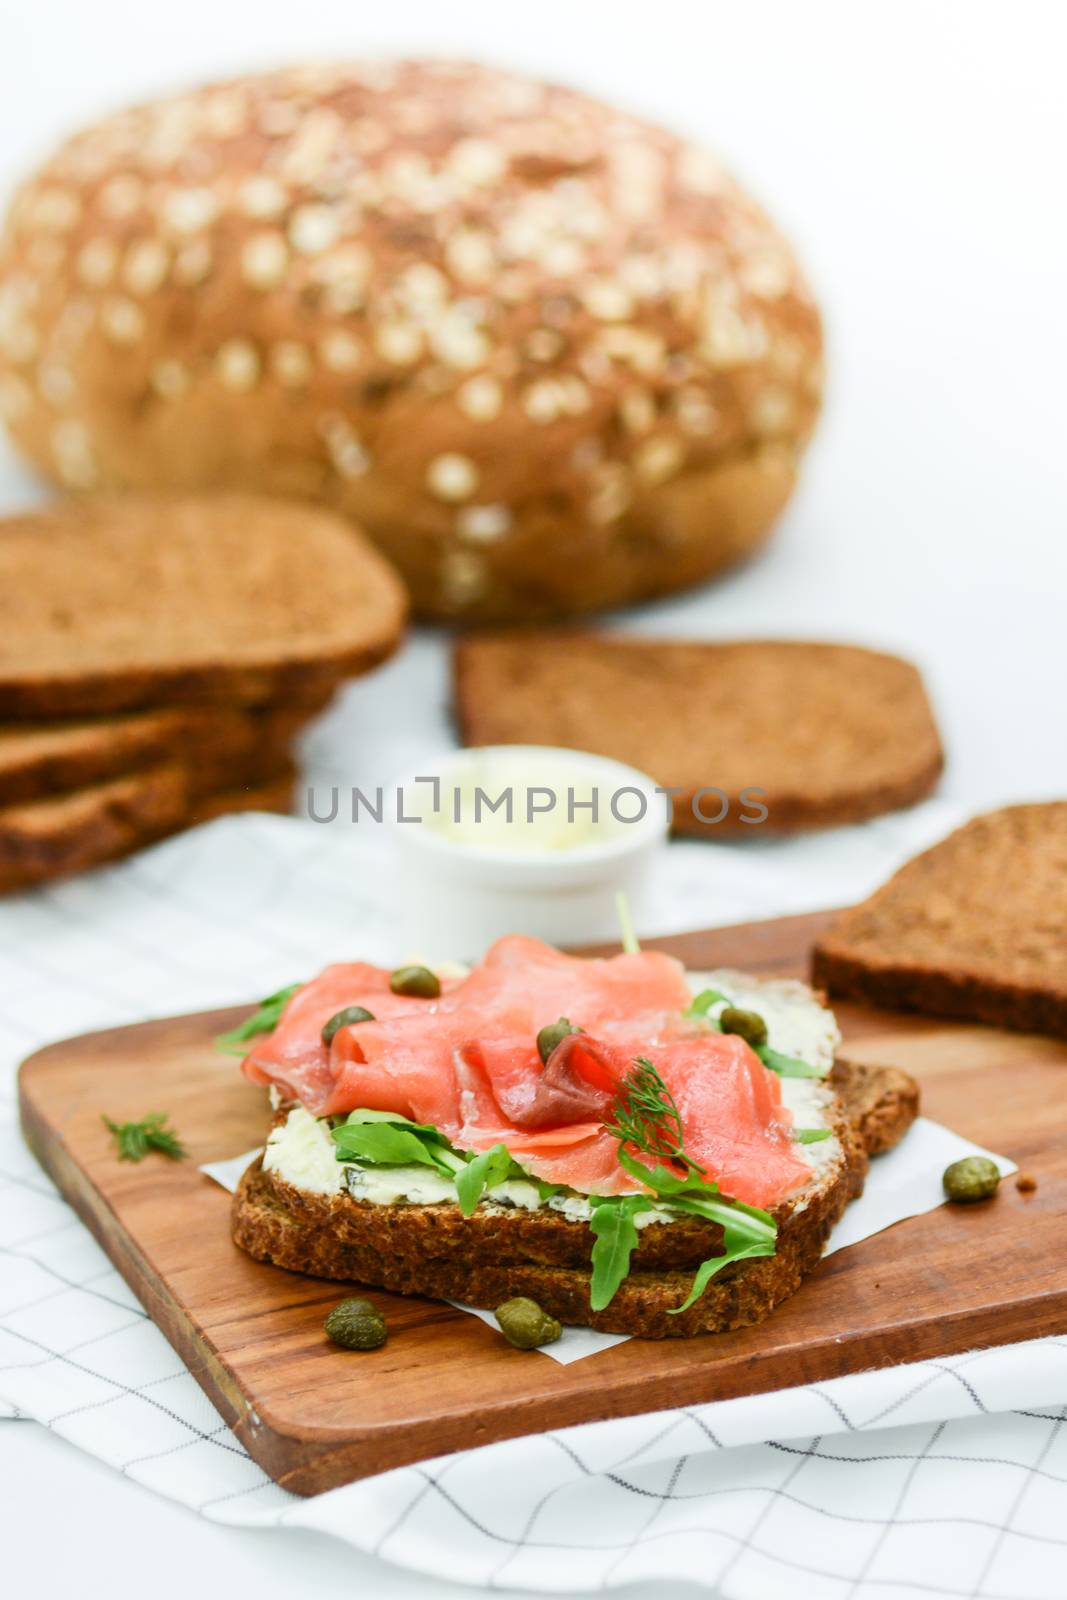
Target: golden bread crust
553	358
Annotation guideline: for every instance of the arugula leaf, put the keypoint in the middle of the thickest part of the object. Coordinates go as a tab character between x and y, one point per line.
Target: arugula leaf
484	1172
702	1003
812	1135
383	1144
698	1195
395	1120
707	1269
747	1232
262	1020
616	1238
133	1140
758	1224
787	1066
662	1179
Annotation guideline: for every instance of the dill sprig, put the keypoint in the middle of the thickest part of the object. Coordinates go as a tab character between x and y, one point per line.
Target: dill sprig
134	1139
646	1116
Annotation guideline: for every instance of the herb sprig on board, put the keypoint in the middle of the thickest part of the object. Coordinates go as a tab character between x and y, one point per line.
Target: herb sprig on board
264	1019
133	1140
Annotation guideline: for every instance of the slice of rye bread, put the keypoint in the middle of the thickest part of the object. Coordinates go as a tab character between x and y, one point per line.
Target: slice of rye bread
111	605
829	733
487	1258
53	838
974	928
39	760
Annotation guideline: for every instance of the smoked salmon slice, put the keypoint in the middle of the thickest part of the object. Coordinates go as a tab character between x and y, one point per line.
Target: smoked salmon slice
467	1063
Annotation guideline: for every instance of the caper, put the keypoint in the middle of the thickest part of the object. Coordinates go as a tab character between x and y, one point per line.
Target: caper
417	981
553	1034
525	1325
342	1019
357	1325
748	1024
973	1178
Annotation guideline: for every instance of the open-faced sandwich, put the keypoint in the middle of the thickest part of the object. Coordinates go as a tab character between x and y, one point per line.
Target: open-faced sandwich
637	1148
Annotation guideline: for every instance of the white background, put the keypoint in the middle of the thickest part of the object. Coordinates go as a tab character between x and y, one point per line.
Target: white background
916	154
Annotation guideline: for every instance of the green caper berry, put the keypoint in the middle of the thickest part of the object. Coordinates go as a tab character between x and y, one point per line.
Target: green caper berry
342	1019
749	1025
553	1034
525	1325
972	1178
357	1325
417	981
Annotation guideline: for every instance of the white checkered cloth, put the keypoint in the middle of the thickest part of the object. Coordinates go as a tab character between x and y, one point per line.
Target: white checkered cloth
943	1478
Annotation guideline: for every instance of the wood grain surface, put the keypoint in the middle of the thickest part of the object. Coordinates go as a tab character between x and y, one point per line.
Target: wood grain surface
315	1416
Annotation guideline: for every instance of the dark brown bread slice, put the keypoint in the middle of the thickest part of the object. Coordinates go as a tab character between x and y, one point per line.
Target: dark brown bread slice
38	760
881	1103
485	1259
974	928
56	837
110	605
829	733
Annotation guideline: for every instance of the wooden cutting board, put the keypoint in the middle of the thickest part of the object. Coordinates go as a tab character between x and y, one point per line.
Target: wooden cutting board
315	1416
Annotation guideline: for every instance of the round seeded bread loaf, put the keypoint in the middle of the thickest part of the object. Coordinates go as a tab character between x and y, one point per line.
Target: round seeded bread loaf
552	358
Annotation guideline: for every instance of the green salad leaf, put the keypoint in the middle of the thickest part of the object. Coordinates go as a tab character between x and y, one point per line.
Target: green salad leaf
393	1144
812	1135
787	1066
747	1230
387	1139
484	1171
263	1020
702	1003
365	1115
736	1250
616	1239
662	1180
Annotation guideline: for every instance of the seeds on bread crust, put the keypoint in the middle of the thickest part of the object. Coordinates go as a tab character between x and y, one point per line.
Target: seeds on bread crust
506	273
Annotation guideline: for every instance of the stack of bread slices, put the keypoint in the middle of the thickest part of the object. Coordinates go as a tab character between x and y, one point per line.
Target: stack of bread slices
159	657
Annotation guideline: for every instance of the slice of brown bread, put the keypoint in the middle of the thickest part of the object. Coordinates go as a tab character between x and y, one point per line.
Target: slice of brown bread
974	928
828	733
111	605
487	1258
38	760
53	838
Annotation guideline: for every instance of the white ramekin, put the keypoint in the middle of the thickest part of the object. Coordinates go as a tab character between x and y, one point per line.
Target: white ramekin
458	896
